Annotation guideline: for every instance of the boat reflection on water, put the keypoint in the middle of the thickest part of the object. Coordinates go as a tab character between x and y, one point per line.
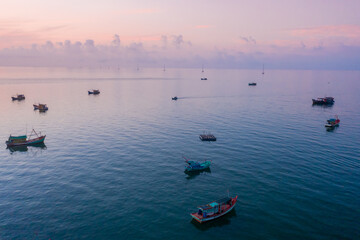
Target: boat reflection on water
191	175
220	222
41	146
322	105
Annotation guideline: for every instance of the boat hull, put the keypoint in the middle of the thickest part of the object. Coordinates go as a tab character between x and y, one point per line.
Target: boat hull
207	219
27	143
203	166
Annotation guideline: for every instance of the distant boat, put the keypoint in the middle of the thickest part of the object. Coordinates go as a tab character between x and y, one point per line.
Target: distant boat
323	101
174	98
204	78
333	122
18	97
207	137
94	91
202	68
252	84
214	209
40	107
196	166
23	140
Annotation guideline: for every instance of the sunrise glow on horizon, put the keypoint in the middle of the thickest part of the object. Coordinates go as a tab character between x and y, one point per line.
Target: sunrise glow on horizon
284	34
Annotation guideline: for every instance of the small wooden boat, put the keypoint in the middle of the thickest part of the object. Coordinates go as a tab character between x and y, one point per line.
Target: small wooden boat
252	84
94	91
15	141
333	122
207	137
214	209
18	97
174	98
40	107
204	78
323	101
196	166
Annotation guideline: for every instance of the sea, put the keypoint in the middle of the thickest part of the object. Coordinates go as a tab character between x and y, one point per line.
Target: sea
112	164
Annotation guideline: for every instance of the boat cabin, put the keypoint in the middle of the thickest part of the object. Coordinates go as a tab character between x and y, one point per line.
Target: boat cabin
213	208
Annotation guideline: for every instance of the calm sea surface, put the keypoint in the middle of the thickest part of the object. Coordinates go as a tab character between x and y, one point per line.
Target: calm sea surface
112	167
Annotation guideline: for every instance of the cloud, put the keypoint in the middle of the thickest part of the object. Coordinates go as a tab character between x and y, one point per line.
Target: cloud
178	41
116	40
176	51
249	40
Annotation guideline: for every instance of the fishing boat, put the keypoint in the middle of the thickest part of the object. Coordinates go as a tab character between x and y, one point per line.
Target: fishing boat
207	137
41	107
333	122
174	98
204	78
196	166
18	97
252	84
323	101
214	209
94	91
23	140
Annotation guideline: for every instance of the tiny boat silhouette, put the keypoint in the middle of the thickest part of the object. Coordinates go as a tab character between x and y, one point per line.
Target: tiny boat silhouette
18	97
196	166
214	209
174	98
207	137
94	91
333	122
23	140
40	107
252	84
204	78
323	101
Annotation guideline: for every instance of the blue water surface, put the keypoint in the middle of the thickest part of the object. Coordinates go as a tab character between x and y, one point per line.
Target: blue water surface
112	167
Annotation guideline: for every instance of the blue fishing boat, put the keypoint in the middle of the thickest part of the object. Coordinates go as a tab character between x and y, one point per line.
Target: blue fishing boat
196	166
174	98
333	122
23	140
252	84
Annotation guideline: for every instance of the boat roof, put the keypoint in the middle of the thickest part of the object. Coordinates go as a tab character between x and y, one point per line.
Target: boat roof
215	203
18	137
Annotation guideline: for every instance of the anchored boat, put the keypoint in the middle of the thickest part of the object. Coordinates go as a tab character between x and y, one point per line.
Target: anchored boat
40	107
196	166
174	98
333	122
252	84
323	101
23	140
18	97
94	91
204	78
207	137
214	209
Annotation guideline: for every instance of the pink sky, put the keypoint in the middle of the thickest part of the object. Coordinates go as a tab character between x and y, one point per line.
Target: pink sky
181	29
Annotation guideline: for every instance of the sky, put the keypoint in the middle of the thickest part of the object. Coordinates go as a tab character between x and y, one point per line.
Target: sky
282	34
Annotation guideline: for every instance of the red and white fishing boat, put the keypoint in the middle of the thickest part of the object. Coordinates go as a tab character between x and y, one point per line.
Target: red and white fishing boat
214	209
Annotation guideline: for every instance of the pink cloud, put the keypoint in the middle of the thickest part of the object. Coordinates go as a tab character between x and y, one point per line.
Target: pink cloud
347	31
203	26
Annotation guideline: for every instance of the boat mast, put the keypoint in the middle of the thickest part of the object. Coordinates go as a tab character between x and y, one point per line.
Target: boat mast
263	72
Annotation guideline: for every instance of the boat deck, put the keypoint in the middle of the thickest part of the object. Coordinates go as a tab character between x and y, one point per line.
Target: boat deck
224	208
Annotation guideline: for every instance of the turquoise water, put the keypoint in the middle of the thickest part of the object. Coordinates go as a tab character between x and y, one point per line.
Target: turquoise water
112	167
